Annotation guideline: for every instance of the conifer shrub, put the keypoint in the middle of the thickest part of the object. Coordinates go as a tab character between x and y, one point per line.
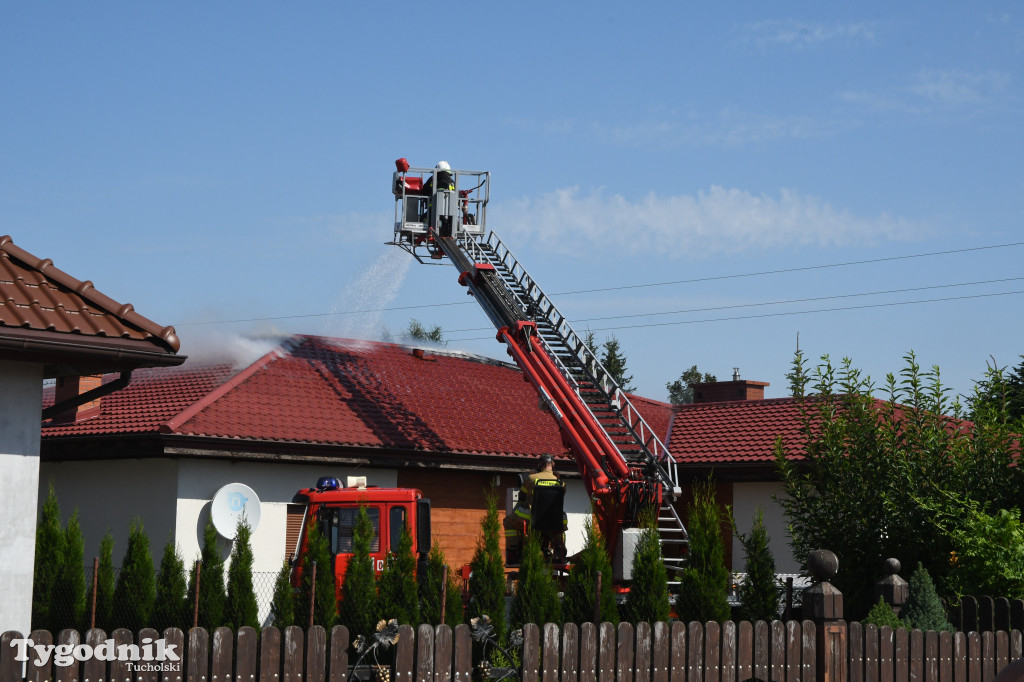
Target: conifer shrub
135	591
704	580
536	596
759	591
241	610
67	605
578	606
359	609
881	615
211	581
282	606
48	562
923	610
399	596
430	586
647	600
487	579
172	607
105	584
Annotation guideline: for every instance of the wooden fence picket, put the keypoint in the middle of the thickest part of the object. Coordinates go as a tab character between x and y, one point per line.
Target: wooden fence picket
146	675
974	657
762	650
569	665
660	643
886	654
745	650
222	652
119	669
712	654
778	650
677	659
606	653
531	652
270	655
624	653
642	652
462	667
916	668
316	654
695	649
808	651
1002	650
39	672
424	654
945	657
246	650
858	646
960	657
10	667
198	660
588	653
443	653
550	653
292	653
794	647
338	660
988	656
405	654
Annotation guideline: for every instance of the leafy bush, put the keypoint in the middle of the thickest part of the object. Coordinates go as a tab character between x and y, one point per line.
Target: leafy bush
536	595
359	609
647	599
759	592
578	606
135	590
172	607
241	609
487	582
881	615
399	596
704	580
924	610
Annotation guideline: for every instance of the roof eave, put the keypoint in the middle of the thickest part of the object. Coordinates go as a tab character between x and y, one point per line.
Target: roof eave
72	355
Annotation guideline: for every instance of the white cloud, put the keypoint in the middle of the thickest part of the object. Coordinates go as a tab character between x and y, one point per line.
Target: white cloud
717	221
935	91
797	34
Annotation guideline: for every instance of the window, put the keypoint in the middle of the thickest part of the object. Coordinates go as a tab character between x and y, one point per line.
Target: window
396	526
337	524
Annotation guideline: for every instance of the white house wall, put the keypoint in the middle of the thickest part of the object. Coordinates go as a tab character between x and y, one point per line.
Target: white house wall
577	509
109	494
21	391
746	498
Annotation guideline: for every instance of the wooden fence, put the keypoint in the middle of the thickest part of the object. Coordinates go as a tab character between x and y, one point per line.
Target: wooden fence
985	614
664	652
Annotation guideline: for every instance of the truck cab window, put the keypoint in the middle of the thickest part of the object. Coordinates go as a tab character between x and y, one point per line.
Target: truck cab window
337	524
396	526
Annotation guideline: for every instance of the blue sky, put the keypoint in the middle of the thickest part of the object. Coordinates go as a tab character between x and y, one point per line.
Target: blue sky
229	161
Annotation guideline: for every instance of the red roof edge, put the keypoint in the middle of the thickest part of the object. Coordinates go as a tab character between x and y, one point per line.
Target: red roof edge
175	422
87	291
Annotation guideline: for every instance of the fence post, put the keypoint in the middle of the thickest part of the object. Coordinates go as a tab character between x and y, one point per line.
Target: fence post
95	581
597	597
444	591
312	595
823	604
195	610
892	588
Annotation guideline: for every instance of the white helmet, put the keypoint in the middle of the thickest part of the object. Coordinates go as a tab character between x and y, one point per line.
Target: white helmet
442	165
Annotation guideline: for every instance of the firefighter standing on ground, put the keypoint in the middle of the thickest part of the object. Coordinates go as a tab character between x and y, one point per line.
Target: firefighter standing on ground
545	476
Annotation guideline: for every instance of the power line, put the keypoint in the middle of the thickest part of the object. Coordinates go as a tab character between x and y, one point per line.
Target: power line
770	303
782	314
623	287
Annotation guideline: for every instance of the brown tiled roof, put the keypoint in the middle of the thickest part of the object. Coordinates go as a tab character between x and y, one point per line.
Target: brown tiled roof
48	316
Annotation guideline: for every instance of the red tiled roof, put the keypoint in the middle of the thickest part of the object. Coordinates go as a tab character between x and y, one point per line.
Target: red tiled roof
46	311
338	392
734	432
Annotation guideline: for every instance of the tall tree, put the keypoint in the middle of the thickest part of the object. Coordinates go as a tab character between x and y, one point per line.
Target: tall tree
680	391
240	609
615	362
48	562
580	588
417	332
135	590
1000	393
68	602
705	578
399	597
172	603
536	595
487	571
211	581
867	475
359	609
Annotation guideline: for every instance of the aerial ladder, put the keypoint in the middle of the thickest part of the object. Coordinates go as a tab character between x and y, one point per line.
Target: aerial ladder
441	213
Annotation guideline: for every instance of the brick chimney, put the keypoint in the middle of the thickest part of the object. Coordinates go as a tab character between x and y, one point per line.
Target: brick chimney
724	391
69	387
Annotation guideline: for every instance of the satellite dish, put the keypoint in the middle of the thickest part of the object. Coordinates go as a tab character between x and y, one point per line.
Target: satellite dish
229	505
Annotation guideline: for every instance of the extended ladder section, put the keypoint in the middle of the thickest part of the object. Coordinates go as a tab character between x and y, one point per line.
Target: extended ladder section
619	449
